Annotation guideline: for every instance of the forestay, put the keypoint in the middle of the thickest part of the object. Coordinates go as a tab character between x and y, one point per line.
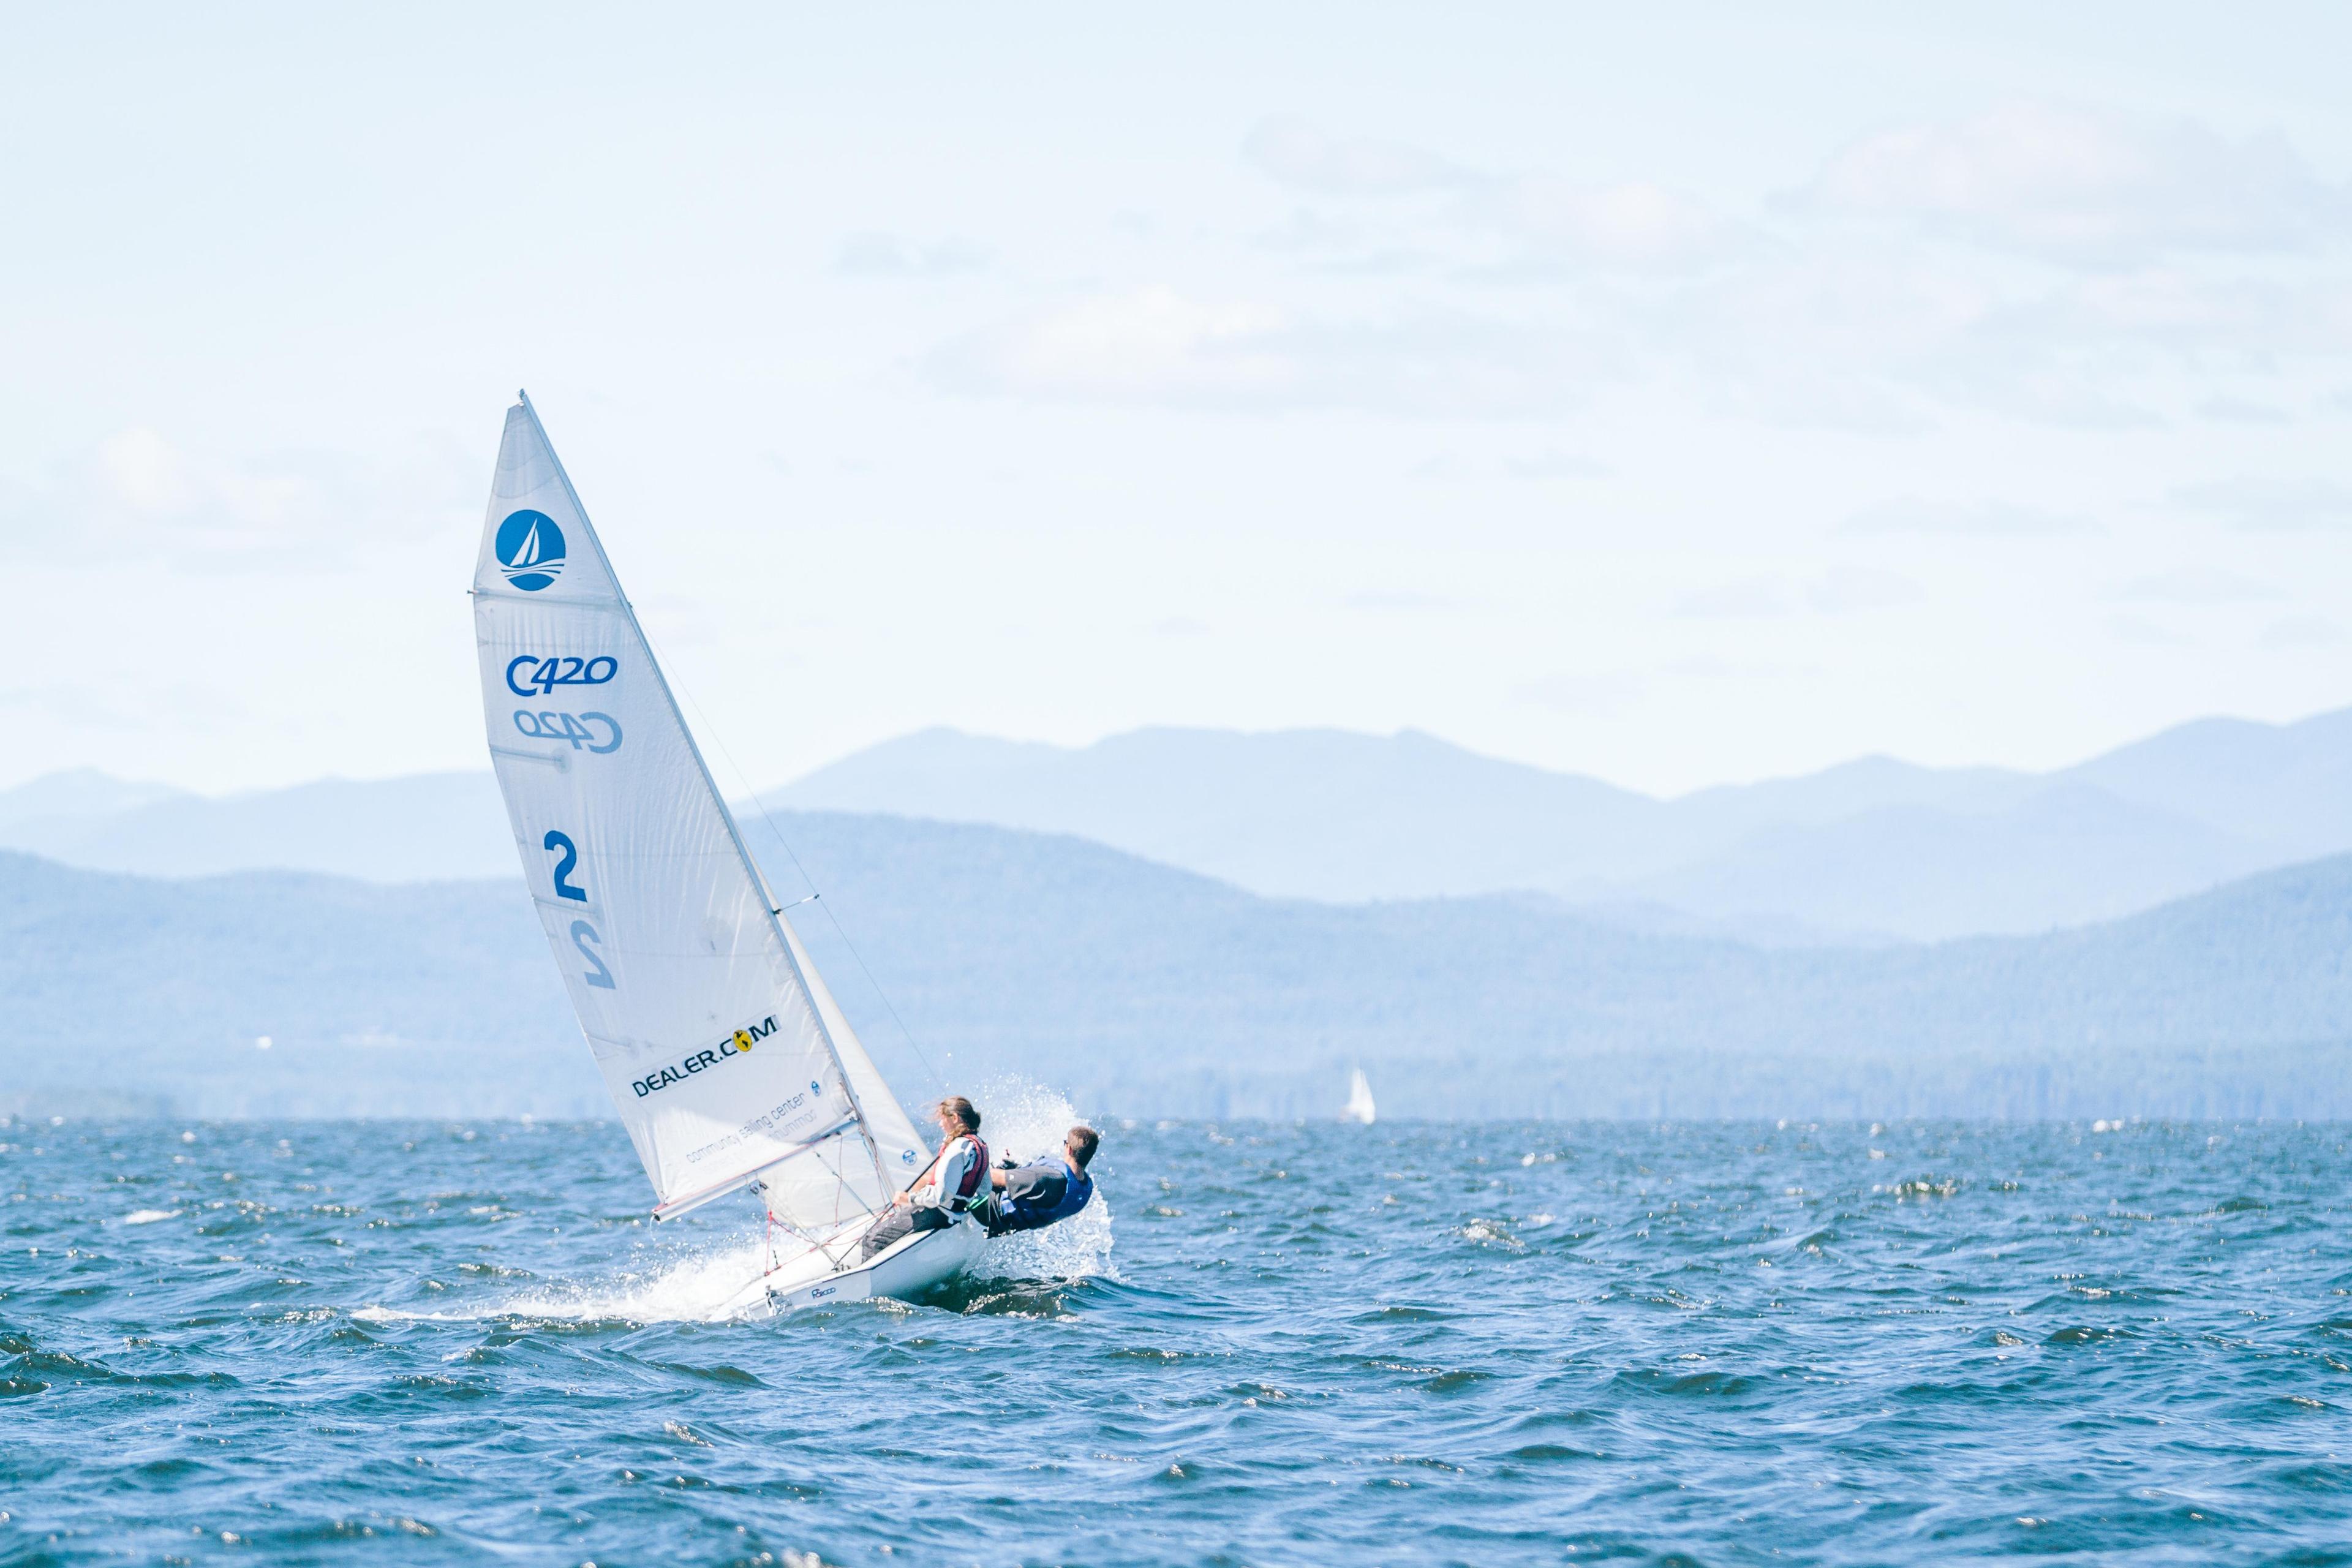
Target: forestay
727	1057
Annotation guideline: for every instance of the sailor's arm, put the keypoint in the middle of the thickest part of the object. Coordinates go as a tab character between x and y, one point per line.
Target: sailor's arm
946	1177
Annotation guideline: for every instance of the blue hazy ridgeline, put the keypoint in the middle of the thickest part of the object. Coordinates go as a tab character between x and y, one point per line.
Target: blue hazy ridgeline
1151	991
1870	850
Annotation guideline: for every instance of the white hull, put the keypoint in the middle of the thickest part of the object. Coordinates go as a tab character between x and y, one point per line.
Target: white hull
906	1268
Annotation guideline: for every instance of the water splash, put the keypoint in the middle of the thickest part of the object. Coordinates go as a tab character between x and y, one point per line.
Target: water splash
694	1287
1028	1121
697	1288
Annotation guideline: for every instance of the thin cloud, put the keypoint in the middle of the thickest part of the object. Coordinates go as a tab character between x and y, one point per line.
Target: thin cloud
2243	411
1851	590
1862	314
1156	345
1497	227
1629	224
2301	632
2197	587
1966	520
1876	331
877	255
131	708
1297	154
2259	505
1445	469
1749	598
2085	185
1393	600
137	495
1840	591
2145	633
1577	693
1557	466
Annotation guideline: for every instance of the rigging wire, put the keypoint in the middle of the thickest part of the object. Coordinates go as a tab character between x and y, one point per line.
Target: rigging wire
816	895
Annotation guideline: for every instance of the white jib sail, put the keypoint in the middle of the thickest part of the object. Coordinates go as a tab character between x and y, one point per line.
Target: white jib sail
1359	1106
728	1059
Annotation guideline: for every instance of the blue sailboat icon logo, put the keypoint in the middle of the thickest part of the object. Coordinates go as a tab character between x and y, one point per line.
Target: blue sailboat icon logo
531	550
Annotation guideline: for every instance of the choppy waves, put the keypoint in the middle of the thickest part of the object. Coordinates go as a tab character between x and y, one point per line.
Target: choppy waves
1484	1344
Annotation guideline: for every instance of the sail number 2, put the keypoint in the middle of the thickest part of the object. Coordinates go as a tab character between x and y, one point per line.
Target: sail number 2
567	857
582	933
567	860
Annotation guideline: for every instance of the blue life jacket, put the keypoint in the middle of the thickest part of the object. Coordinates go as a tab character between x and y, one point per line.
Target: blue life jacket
1032	1213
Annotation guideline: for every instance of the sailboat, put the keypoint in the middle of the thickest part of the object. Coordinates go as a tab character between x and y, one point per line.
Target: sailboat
733	1067
1358	1108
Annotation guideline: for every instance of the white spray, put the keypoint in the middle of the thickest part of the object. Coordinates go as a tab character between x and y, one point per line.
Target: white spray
1029	1121
690	1288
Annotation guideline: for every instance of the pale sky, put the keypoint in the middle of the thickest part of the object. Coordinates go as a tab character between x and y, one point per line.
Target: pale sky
1713	394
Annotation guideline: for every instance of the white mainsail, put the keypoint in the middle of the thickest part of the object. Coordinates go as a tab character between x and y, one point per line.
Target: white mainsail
727	1058
1360	1107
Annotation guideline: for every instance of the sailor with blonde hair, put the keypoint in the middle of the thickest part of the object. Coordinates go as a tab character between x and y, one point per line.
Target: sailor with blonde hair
955	1184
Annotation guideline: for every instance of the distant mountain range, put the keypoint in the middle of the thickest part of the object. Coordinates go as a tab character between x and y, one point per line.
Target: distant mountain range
1148	990
427	827
1872	851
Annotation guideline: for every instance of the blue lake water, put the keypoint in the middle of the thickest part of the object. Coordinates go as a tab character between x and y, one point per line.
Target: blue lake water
1416	1343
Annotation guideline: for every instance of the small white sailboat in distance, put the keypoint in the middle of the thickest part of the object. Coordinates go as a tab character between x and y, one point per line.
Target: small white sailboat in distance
1359	1109
731	1063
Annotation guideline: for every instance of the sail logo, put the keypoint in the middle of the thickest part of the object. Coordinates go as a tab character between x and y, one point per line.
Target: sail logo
544	675
531	550
738	1043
